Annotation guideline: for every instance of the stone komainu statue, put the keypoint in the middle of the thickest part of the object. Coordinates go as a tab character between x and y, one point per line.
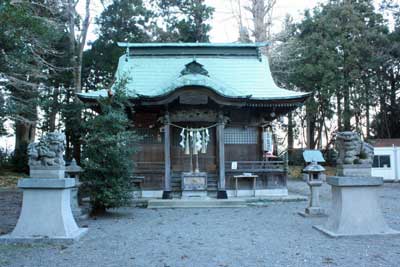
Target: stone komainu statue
48	151
352	150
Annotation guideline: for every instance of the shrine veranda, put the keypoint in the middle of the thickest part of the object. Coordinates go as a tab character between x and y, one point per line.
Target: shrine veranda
184	93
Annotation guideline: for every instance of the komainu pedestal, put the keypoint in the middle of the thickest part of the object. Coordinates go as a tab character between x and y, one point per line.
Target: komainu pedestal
355	208
46	214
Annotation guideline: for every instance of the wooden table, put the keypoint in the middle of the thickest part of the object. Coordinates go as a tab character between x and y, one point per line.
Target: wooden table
241	176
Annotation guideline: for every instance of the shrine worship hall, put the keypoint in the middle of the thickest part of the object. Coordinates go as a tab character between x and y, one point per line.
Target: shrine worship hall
206	114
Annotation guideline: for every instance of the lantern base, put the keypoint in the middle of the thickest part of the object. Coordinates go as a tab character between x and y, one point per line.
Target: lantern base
313	212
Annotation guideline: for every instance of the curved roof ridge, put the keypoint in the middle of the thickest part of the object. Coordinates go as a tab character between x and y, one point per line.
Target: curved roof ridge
144	45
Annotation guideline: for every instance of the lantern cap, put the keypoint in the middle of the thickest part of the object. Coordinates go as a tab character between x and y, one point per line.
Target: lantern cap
314	167
74	167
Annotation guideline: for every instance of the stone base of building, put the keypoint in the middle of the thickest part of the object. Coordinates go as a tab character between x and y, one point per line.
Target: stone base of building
46	213
258	192
221	194
194	194
167	195
278	192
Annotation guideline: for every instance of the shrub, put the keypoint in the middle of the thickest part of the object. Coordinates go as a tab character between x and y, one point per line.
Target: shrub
107	152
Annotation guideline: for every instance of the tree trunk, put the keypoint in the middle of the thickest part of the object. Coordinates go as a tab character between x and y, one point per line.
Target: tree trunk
24	135
368	130
98	210
383	131
346	112
290	135
77	45
261	12
339	111
54	110
310	129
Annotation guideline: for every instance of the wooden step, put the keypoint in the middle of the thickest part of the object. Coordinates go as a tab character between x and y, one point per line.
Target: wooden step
196	203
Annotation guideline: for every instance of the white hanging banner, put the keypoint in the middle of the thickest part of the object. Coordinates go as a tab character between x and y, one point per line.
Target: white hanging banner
267	141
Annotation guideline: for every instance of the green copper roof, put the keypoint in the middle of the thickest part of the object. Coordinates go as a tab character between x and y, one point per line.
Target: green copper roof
238	75
123	44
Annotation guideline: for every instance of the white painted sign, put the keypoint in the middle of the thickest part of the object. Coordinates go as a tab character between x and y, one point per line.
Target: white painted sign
234	165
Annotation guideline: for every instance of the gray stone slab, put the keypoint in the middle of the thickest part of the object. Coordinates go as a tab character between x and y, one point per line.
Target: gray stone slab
77	235
354	181
333	234
47	183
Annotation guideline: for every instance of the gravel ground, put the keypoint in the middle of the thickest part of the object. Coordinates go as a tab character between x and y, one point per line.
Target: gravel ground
10	206
273	235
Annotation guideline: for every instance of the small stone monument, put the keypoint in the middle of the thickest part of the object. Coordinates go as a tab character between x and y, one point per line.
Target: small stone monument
194	184
314	173
355	208
46	209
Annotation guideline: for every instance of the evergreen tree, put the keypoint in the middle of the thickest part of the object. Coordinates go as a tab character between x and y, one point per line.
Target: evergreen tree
28	32
108	150
184	20
386	123
121	21
331	51
134	21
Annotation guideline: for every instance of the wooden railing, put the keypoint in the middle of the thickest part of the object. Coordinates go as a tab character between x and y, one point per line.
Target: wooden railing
241	166
149	166
255	166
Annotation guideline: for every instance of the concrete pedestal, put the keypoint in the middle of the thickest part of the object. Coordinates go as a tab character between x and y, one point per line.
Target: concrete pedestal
355	208
46	214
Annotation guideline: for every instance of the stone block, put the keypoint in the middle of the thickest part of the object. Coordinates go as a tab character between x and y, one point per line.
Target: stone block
354	181
47	171
37	183
355	170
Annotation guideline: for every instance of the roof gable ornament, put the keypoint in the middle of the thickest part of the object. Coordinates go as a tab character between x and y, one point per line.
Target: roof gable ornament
194	68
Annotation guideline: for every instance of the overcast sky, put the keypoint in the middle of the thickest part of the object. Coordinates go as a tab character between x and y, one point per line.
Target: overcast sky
225	26
224	23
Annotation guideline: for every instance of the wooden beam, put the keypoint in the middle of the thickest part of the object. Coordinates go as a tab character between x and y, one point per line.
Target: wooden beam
221	157
167	158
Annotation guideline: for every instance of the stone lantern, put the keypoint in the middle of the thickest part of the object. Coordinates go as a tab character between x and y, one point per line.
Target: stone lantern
73	171
314	173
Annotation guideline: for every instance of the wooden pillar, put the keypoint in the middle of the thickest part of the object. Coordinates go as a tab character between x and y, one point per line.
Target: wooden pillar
167	192
221	158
